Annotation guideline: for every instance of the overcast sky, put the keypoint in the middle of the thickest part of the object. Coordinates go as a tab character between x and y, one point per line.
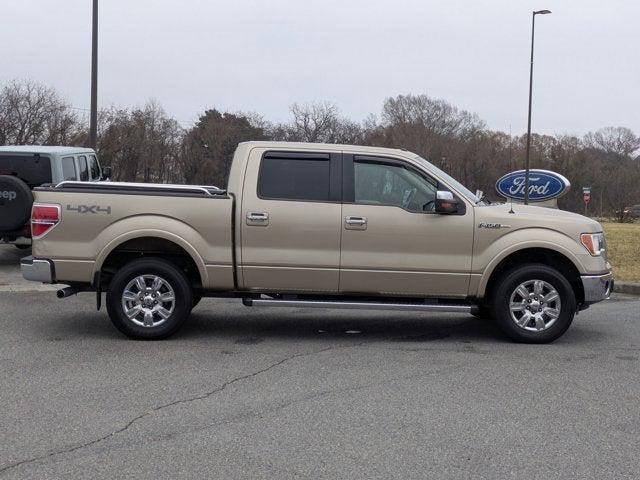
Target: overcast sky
261	55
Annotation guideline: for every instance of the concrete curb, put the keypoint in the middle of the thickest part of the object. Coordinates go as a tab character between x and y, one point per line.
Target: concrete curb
627	287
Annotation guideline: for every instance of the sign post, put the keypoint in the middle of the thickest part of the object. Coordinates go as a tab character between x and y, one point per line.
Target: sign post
586	198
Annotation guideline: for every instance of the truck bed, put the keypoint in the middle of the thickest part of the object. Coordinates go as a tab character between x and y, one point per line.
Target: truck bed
100	218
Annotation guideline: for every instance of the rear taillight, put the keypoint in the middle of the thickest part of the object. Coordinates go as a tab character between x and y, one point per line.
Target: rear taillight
43	218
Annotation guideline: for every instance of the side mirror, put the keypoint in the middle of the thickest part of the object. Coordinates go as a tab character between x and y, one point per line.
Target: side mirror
106	173
446	203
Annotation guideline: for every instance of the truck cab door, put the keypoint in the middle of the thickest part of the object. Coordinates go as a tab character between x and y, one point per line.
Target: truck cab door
290	221
393	241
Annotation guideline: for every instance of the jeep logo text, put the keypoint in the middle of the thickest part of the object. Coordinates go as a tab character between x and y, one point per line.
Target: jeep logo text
8	194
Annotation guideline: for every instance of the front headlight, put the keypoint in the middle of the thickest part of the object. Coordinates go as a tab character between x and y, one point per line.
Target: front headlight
593	242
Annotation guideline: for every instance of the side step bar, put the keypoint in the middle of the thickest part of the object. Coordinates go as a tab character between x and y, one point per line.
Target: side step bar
354	305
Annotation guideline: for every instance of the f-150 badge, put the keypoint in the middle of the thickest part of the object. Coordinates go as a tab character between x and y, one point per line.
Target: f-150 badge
493	225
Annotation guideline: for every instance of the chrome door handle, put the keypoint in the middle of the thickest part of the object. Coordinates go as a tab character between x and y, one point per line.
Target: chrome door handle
258	218
355	223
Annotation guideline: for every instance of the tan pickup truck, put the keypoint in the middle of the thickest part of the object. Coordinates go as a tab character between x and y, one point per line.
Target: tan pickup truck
313	225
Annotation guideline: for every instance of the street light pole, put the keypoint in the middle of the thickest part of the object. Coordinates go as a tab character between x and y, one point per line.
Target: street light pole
93	122
526	174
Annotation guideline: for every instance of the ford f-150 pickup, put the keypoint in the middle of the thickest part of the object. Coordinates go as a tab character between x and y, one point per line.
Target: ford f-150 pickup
315	225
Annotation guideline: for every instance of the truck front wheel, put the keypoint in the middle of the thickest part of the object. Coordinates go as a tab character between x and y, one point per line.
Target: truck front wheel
149	299
533	303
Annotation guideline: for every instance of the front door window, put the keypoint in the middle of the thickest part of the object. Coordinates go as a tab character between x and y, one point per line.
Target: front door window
390	184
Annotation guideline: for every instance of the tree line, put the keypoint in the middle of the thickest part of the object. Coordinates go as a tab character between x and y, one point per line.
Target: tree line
145	144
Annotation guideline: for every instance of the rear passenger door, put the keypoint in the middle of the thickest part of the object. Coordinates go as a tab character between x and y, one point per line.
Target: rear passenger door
291	221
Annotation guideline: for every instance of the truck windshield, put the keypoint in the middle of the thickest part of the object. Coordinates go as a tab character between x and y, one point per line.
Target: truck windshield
33	170
449	180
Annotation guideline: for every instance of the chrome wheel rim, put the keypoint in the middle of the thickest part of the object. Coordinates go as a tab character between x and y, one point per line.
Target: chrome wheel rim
148	300
535	305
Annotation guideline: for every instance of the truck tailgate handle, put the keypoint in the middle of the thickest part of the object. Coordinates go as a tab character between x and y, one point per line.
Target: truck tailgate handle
355	223
258	219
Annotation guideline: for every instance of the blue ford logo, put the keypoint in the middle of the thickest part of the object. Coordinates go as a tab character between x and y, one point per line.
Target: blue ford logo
543	185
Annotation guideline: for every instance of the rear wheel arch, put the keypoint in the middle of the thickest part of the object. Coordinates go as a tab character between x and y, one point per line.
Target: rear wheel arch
536	255
129	248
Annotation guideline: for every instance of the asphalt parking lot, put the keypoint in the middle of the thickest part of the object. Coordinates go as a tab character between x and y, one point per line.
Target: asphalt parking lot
287	393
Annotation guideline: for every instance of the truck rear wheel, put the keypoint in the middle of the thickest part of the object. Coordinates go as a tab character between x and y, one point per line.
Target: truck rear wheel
533	303
149	299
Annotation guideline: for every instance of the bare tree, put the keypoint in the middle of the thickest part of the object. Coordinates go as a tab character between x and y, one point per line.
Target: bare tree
615	140
141	144
317	123
31	113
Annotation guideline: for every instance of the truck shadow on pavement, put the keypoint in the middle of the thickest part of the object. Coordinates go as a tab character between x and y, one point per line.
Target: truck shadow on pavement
254	327
232	324
311	325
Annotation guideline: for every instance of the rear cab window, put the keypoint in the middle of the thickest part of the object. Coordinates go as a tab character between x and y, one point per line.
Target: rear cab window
298	176
34	170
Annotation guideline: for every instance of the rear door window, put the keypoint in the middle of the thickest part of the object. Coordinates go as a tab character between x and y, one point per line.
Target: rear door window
84	169
94	167
69	169
34	170
293	178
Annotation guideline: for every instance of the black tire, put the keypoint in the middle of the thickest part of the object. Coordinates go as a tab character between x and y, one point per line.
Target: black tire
159	327
16	200
501	299
23	247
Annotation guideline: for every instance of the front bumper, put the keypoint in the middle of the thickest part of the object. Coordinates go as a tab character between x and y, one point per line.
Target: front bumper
37	269
597	287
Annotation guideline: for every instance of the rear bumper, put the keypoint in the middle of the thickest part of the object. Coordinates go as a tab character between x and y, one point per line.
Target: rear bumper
597	287
37	269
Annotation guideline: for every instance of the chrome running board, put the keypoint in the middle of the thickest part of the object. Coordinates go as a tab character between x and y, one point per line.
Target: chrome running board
353	305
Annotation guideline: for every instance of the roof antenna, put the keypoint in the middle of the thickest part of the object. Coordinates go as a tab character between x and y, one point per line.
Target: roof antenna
511	202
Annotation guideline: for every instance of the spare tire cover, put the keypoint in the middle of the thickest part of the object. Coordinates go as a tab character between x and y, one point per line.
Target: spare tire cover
16	200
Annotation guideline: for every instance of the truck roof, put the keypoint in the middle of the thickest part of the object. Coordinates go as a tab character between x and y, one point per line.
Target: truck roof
324	146
44	149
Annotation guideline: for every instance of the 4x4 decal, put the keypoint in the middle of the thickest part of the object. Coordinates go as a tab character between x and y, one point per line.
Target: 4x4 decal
95	209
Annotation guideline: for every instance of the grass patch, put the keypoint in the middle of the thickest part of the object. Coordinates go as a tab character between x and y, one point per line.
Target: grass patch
623	250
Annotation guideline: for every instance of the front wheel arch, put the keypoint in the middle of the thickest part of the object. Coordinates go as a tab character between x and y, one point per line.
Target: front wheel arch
542	256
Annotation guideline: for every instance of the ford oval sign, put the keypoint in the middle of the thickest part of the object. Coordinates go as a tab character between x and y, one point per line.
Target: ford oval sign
543	185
